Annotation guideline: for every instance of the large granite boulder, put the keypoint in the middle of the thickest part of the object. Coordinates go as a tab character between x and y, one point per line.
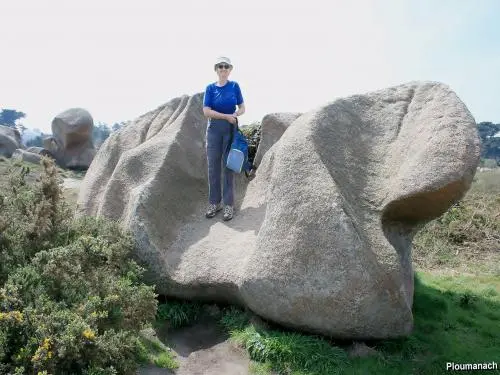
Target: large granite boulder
273	126
71	143
321	238
155	165
10	140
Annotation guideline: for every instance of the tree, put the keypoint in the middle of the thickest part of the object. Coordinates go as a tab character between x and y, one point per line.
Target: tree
35	142
21	128
100	133
9	117
490	145
487	129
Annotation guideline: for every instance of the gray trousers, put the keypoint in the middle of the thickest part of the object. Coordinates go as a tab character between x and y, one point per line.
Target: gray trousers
218	138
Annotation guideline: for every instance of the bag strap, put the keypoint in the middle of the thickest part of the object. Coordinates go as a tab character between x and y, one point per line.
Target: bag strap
236	127
232	137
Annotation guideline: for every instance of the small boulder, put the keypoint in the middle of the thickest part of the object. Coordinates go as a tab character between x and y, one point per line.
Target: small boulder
10	140
24	155
273	126
40	151
71	143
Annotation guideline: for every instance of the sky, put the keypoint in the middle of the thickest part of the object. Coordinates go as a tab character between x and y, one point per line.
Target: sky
120	59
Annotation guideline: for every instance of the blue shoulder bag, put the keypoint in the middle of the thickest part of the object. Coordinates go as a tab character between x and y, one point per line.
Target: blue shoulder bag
237	159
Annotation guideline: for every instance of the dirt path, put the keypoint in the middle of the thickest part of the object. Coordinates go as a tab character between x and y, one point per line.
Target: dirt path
72	183
202	349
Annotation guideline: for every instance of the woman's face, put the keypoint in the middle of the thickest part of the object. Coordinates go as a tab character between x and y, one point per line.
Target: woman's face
223	70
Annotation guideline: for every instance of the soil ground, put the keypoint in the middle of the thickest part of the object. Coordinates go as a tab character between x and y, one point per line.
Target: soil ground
201	349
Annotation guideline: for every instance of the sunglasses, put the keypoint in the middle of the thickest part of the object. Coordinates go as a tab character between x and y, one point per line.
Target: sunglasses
223	66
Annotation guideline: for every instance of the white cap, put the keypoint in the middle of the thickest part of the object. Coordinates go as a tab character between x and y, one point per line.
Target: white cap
223	59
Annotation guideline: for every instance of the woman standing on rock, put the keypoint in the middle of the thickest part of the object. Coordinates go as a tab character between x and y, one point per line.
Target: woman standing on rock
219	106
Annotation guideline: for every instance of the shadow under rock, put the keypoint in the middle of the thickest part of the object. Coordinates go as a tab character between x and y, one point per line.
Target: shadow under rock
204	334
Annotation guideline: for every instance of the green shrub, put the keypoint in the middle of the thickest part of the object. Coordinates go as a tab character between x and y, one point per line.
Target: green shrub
179	313
164	360
71	298
32	217
252	132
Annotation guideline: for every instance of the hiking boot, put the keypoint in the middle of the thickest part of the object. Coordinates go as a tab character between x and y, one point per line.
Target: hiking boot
228	213
212	210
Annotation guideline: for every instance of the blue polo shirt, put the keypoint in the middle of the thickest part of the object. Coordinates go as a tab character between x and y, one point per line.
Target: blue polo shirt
223	99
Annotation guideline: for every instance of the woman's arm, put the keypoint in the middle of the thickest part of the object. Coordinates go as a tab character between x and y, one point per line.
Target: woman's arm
210	113
241	109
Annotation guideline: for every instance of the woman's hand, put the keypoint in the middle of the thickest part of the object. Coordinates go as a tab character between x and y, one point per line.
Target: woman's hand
231	119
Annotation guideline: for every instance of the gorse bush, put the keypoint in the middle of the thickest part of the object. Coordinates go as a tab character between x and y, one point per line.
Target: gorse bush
32	216
71	298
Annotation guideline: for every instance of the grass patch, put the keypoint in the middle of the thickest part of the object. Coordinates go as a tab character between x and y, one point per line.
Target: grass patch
457	319
257	368
487	182
165	360
179	313
153	351
283	351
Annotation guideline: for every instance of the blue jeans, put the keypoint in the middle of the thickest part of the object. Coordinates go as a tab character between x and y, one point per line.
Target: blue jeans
218	138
